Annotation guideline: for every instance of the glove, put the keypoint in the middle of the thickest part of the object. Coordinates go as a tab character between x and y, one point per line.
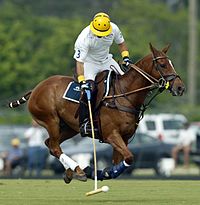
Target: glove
84	86
127	61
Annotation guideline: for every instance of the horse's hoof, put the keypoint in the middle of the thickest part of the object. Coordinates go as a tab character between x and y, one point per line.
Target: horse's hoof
67	179
79	174
68	176
81	177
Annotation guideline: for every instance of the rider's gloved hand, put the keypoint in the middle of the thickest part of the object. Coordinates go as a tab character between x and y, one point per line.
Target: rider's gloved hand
84	86
126	59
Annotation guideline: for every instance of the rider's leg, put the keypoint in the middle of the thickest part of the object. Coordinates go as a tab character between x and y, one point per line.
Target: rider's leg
83	108
94	91
90	72
114	66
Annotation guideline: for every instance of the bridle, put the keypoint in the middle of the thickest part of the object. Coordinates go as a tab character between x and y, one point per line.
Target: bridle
161	84
165	79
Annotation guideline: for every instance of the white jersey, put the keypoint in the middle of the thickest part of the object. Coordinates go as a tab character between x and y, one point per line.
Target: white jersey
90	48
186	137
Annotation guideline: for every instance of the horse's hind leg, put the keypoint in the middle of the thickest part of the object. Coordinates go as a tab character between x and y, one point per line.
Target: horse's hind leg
67	133
53	143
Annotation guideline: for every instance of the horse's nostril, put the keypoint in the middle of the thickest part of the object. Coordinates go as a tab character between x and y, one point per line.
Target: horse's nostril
180	90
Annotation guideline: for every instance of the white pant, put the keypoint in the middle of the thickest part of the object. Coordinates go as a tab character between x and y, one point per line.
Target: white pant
92	69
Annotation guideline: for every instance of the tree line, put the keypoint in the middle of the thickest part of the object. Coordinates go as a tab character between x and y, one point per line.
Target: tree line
35	44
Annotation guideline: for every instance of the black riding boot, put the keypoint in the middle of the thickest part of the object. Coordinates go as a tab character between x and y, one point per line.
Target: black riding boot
84	118
83	110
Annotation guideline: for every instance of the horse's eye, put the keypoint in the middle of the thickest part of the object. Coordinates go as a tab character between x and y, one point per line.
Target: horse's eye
163	65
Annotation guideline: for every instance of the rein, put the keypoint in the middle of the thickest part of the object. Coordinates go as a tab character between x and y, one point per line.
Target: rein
154	83
161	84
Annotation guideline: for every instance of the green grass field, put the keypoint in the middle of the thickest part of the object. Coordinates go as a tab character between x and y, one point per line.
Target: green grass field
123	192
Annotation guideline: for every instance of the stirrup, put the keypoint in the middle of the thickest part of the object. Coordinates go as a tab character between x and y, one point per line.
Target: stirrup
86	130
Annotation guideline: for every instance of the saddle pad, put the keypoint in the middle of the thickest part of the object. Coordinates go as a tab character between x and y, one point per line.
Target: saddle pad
73	92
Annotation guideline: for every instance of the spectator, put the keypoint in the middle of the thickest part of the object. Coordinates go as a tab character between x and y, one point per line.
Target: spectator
13	157
186	137
34	135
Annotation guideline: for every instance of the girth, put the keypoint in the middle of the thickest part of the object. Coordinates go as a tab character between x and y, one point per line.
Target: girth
114	105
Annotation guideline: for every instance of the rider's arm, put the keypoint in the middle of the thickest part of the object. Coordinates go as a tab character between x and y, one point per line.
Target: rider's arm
123	47
123	50
81	49
119	40
80	71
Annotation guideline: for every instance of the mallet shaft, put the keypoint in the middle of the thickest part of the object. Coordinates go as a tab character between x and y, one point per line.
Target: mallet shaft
94	146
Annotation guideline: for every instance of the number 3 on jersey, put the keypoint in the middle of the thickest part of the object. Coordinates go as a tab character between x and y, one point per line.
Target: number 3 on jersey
78	54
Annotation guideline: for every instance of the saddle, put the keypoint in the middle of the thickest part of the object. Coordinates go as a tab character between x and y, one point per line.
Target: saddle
73	93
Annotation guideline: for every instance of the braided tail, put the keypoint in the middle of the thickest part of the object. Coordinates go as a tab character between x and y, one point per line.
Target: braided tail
22	100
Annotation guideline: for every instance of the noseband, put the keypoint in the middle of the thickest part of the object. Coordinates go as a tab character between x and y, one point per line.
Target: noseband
165	79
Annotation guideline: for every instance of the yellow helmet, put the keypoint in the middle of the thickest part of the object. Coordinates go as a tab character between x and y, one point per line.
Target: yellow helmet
100	25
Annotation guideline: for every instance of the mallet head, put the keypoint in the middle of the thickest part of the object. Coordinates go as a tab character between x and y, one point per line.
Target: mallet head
102	189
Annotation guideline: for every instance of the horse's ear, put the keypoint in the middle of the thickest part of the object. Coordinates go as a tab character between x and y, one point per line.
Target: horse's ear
151	47
153	50
164	50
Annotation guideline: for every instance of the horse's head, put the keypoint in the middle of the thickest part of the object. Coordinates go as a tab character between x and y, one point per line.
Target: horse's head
163	70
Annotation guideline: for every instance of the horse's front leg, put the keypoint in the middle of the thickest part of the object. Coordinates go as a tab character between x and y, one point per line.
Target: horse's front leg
122	157
117	157
120	149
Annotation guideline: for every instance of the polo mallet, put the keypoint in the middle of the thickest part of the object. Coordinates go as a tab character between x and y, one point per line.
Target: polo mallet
104	188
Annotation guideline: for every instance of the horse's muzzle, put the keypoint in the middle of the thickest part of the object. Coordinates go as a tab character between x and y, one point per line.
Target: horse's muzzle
177	86
178	90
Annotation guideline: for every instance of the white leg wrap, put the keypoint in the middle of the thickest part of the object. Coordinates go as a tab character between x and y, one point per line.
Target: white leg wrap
67	162
125	164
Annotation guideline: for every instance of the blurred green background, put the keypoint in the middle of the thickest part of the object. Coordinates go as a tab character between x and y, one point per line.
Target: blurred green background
37	39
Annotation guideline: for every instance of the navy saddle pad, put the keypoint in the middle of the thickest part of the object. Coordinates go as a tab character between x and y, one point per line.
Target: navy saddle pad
73	92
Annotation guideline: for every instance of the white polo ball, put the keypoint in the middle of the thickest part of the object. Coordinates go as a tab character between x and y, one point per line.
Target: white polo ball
105	188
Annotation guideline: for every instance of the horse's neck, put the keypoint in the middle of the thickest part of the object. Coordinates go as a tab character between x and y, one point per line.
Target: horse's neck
133	76
133	80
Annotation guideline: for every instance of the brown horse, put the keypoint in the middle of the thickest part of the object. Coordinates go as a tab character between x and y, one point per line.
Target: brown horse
119	113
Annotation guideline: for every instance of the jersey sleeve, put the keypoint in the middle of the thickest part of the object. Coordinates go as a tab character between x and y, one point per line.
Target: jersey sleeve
118	37
81	48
